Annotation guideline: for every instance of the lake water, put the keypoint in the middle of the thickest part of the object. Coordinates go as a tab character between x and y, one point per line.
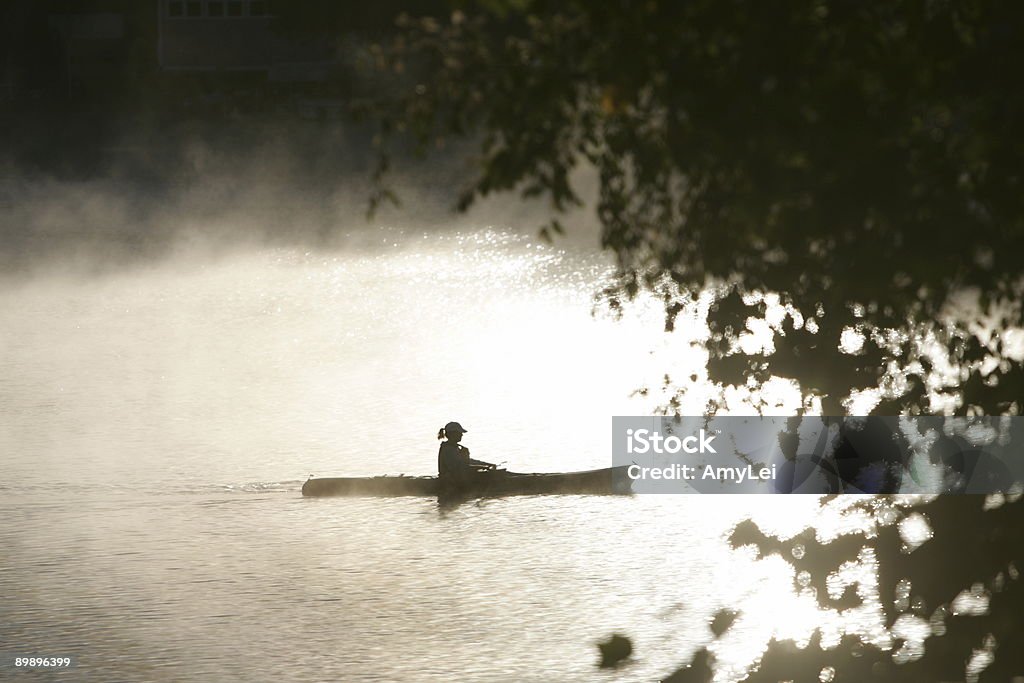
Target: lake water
157	422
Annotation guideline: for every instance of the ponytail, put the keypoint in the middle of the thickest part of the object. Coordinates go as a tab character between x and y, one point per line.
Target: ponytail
441	434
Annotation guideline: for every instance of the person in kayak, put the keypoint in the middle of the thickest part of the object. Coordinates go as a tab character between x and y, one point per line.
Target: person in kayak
453	461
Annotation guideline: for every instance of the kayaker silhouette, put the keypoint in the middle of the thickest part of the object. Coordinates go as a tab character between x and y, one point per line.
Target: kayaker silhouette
454	466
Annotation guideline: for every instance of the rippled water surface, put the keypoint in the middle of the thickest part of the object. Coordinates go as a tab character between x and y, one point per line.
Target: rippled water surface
157	424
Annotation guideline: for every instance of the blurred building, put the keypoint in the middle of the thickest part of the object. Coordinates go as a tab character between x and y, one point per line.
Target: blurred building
232	47
201	55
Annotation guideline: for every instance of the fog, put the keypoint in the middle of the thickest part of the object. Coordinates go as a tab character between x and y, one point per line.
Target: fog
156	318
190	196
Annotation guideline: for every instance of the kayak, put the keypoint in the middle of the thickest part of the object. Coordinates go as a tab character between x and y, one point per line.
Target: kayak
608	481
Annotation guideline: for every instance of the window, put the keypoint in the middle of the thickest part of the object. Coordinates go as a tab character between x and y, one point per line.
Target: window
234	8
215	8
175	8
194	8
257	8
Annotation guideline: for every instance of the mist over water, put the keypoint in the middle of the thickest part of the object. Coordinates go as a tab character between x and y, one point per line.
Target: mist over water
167	386
241	304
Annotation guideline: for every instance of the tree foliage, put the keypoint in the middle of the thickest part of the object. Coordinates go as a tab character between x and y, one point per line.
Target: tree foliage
977	557
861	161
848	172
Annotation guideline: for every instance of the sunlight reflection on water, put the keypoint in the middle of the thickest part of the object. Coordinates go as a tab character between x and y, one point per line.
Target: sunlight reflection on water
158	422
